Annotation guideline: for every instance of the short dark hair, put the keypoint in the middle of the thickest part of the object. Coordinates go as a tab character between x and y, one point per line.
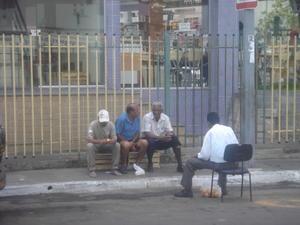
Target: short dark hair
213	118
130	107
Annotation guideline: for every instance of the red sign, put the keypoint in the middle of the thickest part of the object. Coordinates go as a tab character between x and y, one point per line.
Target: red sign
246	4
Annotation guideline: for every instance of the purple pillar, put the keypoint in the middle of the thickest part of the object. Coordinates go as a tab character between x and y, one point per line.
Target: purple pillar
223	60
112	28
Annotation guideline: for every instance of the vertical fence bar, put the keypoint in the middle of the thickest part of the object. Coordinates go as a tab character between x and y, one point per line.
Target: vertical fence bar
218	69
201	87
287	91
257	73
185	86
131	67
59	93
141	79
50	93
123	74
279	90
69	94
157	78
272	91
14	93
105	68
114	63
5	91
295	89
149	73
193	94
233	80
87	78
32	97
23	94
177	88
97	72
41	95
78	90
264	90
225	79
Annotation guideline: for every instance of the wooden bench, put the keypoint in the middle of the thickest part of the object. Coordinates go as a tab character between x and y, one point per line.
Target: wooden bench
104	160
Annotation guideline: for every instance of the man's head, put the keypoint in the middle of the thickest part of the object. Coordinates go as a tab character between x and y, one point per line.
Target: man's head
132	110
213	118
157	110
103	117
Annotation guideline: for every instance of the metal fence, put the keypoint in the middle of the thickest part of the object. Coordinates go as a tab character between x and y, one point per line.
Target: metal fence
53	85
278	90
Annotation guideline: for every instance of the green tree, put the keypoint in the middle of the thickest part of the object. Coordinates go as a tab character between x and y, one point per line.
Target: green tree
283	13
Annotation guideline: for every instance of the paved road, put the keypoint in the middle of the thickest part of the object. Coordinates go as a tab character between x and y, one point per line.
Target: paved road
273	205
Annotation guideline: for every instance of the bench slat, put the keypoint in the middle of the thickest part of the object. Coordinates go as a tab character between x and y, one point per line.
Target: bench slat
104	160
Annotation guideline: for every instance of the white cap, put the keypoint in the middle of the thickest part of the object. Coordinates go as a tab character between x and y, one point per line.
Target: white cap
103	116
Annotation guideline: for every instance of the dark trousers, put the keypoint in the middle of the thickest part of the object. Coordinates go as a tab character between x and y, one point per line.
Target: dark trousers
197	164
155	144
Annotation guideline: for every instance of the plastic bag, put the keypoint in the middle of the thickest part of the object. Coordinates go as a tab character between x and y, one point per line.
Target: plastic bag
205	192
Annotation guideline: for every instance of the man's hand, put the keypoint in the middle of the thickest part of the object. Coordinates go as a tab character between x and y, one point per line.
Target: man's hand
110	141
169	133
100	141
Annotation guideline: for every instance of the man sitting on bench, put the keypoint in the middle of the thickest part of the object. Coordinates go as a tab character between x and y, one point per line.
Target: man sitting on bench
159	133
102	138
128	132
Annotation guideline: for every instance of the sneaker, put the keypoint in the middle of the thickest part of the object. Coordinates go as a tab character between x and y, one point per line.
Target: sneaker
136	167
116	172
92	174
179	169
184	194
138	170
150	168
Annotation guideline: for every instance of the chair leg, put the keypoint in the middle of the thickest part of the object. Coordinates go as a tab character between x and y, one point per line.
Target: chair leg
222	199
212	182
250	187
242	186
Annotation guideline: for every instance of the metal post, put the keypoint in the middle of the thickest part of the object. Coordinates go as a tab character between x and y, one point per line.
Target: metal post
248	79
264	89
167	65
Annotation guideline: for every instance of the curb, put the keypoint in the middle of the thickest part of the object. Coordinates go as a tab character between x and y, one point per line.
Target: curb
259	178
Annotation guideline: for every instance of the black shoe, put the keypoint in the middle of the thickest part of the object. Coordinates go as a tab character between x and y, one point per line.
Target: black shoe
150	168
184	194
123	170
179	169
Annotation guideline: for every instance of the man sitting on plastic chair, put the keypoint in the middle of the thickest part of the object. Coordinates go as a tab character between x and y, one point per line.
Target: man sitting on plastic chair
211	155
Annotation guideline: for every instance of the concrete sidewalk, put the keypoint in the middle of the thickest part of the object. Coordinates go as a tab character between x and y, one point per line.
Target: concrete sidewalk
77	181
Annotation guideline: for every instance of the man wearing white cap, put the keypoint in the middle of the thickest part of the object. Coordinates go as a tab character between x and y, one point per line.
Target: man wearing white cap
102	138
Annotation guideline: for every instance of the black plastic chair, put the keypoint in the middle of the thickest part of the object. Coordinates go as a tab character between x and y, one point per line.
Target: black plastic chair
235	153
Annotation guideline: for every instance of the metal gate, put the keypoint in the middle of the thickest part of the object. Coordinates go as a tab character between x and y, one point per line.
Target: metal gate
277	82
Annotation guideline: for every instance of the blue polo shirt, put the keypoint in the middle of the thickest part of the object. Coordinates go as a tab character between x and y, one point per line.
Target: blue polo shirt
127	128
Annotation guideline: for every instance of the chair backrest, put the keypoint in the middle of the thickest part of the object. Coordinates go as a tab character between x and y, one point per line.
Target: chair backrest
238	152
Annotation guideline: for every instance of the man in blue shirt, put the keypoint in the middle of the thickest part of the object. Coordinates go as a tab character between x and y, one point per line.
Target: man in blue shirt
128	133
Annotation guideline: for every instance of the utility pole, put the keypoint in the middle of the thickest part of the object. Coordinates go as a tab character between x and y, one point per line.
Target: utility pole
248	122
